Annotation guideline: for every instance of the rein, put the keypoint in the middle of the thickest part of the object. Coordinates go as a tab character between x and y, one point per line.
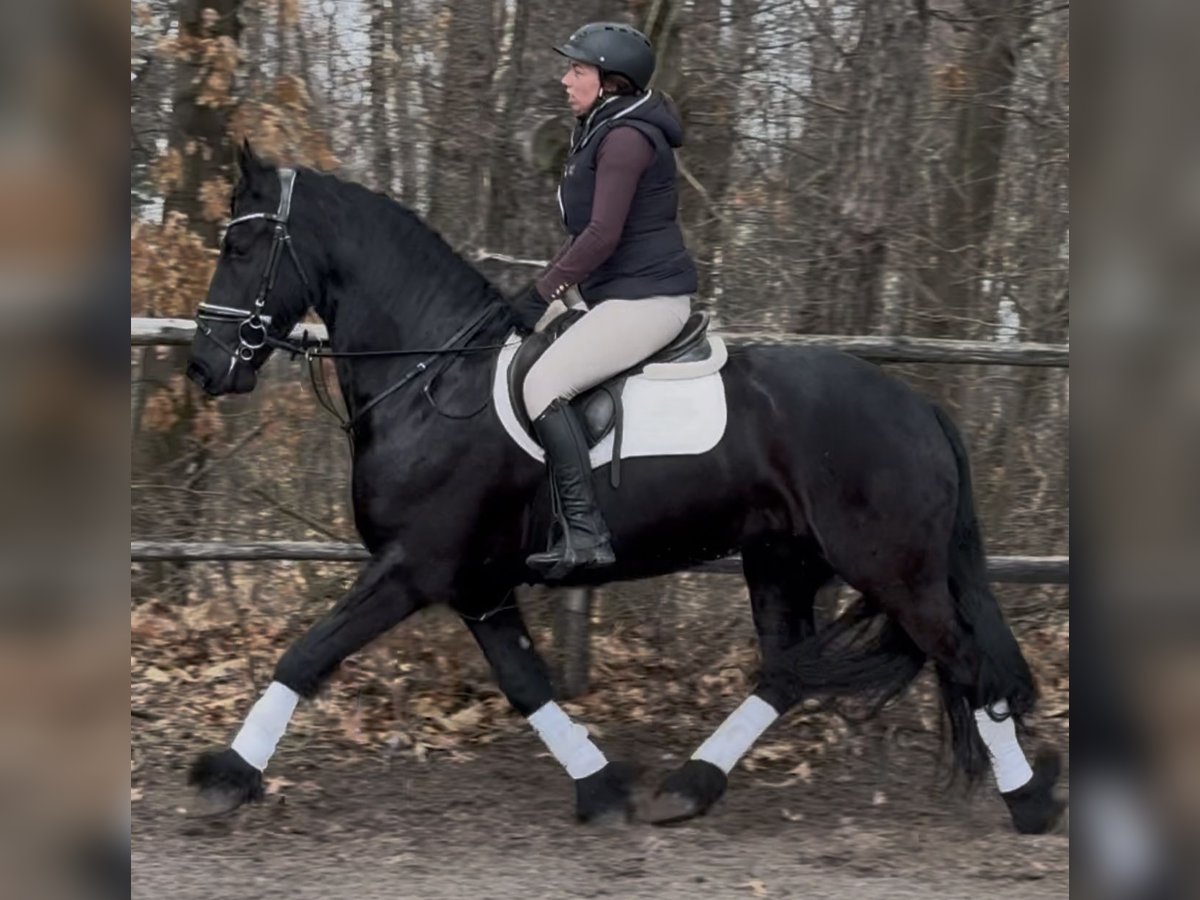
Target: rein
312	354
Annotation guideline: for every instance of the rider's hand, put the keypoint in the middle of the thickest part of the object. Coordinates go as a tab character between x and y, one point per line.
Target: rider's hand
552	312
528	307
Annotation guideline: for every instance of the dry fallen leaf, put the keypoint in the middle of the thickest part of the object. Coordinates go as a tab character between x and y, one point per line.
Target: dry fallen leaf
791	816
755	885
352	726
465	718
156	675
803	771
275	785
135	794
222	669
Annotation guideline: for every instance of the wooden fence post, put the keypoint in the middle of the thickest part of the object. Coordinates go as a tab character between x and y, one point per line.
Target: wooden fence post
572	639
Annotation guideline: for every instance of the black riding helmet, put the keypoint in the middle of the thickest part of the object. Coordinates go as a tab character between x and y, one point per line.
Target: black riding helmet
613	48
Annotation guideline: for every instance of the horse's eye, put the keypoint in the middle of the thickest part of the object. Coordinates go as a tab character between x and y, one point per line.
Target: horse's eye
233	248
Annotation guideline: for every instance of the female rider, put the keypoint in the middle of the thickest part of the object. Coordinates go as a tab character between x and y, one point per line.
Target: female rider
626	256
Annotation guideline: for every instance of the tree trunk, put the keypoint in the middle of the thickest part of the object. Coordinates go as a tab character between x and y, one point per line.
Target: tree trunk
203	104
464	128
708	104
866	117
502	196
404	74
201	154
380	81
976	91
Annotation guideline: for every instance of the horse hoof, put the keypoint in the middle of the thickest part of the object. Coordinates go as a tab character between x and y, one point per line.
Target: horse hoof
224	781
213	803
1033	806
605	795
688	792
667	809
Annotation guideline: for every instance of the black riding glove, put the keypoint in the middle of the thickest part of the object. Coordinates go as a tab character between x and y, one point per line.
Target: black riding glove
528	307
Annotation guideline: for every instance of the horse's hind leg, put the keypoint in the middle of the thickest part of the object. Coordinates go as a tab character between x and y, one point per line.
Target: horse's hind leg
783	574
985	683
380	598
602	788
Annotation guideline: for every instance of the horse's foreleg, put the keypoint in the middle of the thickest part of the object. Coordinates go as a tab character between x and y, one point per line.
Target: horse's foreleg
783	583
601	787
379	599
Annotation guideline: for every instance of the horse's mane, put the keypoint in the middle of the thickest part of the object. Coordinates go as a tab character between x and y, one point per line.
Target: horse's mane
396	225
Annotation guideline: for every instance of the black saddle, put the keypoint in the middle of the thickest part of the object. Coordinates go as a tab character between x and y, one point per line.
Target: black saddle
599	408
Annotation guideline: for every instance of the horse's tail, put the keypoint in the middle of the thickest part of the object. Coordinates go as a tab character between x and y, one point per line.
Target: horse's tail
861	654
1003	671
867	655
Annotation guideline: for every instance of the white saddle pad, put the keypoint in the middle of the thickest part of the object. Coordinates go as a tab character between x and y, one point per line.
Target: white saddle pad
662	417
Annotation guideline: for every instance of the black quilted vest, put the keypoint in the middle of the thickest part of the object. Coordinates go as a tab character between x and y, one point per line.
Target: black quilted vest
650	259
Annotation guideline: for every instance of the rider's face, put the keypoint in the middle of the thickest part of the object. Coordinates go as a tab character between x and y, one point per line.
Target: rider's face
583	86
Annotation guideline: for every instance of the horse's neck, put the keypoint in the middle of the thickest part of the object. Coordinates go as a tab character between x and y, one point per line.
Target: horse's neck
390	302
395	287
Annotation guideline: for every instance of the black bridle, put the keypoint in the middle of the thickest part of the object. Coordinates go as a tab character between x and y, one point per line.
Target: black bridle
253	323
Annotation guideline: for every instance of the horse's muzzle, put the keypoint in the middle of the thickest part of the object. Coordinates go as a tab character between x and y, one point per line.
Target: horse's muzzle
198	372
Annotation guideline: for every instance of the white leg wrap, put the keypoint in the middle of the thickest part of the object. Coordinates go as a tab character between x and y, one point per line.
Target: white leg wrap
265	725
568	742
1008	761
737	734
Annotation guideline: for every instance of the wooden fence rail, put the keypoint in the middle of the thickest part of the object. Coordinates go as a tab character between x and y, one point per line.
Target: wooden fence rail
156	332
1002	569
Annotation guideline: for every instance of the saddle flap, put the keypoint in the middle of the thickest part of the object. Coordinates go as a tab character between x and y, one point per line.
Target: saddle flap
531	349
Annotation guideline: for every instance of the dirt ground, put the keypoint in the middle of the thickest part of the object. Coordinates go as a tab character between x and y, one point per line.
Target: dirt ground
411	777
498	825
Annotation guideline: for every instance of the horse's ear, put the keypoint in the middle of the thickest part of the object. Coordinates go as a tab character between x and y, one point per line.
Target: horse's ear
247	161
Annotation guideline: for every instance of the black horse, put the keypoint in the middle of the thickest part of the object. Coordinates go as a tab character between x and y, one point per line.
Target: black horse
828	467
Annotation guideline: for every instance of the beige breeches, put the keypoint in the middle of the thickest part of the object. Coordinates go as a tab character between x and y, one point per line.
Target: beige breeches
610	338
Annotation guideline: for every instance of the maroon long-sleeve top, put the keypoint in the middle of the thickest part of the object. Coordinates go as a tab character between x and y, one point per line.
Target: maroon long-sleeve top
623	155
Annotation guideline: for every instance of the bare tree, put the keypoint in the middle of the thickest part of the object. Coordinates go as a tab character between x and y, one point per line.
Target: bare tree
714	56
975	92
381	43
464	127
202	104
503	195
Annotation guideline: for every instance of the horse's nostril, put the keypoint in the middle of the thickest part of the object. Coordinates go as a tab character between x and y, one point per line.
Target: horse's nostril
198	373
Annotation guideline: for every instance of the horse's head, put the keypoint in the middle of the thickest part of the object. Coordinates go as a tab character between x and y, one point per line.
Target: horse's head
259	288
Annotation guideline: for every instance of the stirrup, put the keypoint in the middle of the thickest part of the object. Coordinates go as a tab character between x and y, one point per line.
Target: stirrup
560	560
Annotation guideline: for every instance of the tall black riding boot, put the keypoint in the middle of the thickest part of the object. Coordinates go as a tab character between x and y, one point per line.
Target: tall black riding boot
584	542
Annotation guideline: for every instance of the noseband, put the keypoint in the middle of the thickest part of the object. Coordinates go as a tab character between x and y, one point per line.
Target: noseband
253	323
